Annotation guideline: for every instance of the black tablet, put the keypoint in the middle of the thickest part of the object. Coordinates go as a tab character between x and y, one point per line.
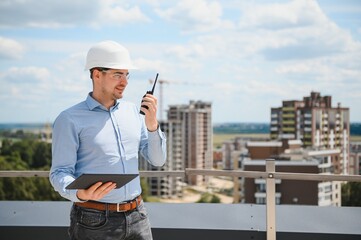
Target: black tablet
87	180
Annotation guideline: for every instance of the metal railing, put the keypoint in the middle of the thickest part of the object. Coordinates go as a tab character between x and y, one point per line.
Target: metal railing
270	175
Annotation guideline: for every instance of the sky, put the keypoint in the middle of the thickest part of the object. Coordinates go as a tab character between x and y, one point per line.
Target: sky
243	56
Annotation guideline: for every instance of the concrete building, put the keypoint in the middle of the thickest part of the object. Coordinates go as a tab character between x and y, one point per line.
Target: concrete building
167	187
270	149
355	158
316	123
189	145
231	150
195	123
290	157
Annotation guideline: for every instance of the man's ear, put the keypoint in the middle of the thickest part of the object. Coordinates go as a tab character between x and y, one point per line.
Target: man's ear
96	75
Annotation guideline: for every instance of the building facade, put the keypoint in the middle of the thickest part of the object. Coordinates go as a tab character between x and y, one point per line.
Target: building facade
316	123
290	157
189	145
196	136
355	158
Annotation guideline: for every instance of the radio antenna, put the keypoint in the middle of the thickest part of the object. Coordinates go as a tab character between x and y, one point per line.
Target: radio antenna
155	81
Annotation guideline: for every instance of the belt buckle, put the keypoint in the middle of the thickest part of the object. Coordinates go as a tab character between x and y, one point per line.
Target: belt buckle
120	203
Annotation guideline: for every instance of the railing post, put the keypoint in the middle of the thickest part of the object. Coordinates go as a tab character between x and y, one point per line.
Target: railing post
271	200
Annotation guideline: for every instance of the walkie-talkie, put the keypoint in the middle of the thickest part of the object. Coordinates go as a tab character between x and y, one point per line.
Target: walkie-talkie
149	92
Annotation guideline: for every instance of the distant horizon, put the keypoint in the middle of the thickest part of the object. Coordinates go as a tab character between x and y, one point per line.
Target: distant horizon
218	128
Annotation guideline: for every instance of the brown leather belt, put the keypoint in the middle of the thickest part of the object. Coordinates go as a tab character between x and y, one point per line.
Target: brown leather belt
116	207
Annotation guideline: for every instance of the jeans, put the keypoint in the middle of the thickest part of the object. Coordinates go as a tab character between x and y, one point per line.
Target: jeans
86	223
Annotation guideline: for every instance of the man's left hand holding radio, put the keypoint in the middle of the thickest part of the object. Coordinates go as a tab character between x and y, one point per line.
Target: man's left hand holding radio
151	121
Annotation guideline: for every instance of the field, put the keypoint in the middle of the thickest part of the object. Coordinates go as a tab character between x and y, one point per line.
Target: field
355	138
218	139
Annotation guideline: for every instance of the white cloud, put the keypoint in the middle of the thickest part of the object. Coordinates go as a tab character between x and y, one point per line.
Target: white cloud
271	52
26	75
10	49
67	13
41	13
293	30
114	13
307	33
24	84
297	13
144	64
193	16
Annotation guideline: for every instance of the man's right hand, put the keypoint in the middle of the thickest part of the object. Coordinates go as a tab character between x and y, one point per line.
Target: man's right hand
95	192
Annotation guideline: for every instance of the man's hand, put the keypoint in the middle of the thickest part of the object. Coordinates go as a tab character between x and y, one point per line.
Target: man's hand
95	192
151	113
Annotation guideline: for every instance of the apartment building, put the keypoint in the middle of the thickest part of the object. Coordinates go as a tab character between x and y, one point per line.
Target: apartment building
167	187
270	149
316	123
290	157
189	145
195	121
231	149
355	158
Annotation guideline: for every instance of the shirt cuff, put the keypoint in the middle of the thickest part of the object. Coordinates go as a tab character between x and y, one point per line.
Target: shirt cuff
155	134
154	130
73	196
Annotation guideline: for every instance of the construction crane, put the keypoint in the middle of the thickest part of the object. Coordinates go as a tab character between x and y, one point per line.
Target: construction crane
160	82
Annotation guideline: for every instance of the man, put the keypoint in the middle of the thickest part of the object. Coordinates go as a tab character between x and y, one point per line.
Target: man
104	134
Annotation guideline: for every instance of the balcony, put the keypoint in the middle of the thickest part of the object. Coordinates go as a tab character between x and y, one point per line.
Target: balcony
288	115
50	220
285	109
306	122
288	129
289	122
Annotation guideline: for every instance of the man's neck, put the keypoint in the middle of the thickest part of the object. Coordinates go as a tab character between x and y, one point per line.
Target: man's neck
106	102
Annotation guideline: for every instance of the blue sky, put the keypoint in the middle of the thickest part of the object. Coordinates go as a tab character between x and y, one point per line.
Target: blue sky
243	56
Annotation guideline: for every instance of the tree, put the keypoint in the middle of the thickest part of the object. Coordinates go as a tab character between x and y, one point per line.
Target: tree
145	189
6	147
351	194
26	150
44	191
209	198
13	162
24	155
42	155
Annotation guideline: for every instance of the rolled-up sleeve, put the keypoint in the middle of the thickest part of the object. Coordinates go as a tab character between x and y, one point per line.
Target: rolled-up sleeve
153	146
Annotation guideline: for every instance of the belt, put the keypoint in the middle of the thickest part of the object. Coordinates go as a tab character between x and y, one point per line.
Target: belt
116	207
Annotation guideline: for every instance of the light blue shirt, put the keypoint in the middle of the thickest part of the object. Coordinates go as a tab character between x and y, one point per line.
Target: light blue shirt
88	138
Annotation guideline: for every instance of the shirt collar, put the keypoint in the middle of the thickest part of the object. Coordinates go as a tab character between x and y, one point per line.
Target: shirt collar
92	103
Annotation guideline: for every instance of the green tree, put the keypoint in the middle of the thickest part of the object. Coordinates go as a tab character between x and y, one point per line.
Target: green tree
5	147
13	162
26	150
145	189
209	198
24	155
351	194
18	188
44	191
42	155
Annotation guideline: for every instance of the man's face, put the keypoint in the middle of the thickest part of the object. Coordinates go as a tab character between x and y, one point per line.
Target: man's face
113	82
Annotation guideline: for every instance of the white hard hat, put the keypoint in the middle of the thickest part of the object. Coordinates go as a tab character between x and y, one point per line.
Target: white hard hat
108	54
